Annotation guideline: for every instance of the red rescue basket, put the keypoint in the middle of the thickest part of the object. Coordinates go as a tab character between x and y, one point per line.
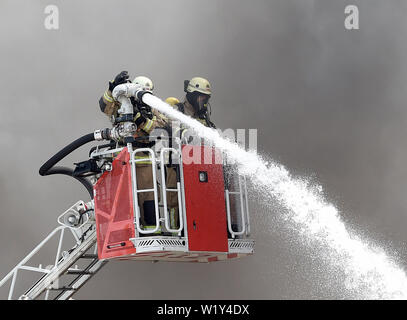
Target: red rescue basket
212	216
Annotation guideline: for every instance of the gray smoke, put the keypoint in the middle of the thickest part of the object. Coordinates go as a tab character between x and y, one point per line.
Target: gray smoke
327	102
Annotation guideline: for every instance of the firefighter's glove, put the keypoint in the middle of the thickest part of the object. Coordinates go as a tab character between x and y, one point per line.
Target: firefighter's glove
122	77
139	119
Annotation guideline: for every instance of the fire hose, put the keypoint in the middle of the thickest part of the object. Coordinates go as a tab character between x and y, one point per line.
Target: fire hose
123	130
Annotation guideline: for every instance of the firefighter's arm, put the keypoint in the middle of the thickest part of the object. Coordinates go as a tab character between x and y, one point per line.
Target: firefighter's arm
148	125
183	133
107	104
143	123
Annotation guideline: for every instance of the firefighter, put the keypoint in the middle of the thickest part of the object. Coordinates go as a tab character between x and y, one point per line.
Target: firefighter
146	120
196	105
109	107
106	103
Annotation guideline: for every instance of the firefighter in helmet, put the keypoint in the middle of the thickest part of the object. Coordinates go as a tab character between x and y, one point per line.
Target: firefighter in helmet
146	120
196	105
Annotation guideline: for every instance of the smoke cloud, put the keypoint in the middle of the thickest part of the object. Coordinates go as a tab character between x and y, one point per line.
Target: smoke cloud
328	103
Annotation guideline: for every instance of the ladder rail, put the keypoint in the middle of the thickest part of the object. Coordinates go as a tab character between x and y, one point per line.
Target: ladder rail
30	255
61	268
81	279
84	239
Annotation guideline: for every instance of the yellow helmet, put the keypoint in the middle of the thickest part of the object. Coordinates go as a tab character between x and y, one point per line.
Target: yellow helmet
172	101
198	84
145	82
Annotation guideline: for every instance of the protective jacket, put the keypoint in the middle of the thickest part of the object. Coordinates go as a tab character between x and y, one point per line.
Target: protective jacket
186	108
154	119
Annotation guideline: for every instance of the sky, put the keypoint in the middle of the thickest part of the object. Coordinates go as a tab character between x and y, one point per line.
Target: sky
328	103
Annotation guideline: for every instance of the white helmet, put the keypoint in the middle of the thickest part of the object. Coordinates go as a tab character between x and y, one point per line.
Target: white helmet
145	82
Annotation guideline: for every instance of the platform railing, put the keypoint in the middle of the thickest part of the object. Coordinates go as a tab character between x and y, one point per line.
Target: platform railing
158	171
164	188
248	231
136	191
244	209
108	152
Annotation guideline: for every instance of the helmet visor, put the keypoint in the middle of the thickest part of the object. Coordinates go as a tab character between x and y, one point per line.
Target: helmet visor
202	101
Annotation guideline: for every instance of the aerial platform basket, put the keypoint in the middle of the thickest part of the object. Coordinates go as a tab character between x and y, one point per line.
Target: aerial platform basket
212	213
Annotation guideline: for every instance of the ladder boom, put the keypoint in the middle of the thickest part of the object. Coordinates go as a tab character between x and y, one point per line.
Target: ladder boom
56	280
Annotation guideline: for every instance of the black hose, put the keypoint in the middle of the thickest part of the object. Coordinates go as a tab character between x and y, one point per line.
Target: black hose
47	166
65	151
69	172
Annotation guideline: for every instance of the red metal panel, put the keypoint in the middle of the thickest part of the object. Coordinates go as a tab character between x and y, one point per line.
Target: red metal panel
204	201
114	209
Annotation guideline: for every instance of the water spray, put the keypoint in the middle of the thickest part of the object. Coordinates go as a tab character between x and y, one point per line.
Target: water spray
369	271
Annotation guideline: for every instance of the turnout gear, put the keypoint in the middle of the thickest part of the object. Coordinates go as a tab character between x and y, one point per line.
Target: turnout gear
198	92
187	108
139	119
106	102
146	121
196	105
